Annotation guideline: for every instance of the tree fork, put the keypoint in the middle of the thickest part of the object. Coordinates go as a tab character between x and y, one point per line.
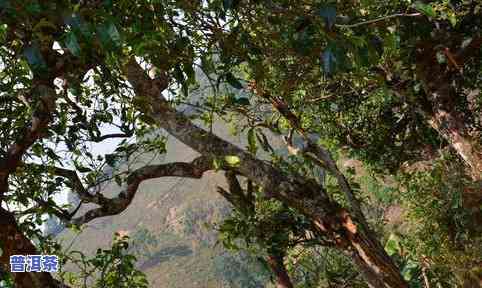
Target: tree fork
378	268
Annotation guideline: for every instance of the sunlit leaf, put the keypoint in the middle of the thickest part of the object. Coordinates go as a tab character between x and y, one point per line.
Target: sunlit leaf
426	9
252	147
232	160
393	245
410	270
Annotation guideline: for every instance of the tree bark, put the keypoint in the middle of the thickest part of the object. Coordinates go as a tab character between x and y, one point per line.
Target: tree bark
282	279
14	242
452	129
375	265
437	80
362	246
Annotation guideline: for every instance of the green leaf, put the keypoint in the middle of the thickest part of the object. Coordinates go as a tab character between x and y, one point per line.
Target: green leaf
252	147
34	57
189	71
393	245
243	101
329	61
217	165
109	35
82	169
329	15
52	155
363	56
233	81
453	19
232	160
111	159
37	150
118	180
410	270
426	9
72	44
207	64
227	4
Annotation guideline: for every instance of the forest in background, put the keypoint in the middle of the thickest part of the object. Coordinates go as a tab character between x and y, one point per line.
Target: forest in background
377	103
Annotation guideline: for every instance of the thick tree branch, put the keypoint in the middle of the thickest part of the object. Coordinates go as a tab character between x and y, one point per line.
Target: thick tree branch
36	129
320	156
210	145
306	196
113	206
77	186
14	242
447	121
282	278
42	91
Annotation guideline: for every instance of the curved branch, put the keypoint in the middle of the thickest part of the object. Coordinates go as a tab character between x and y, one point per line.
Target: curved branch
113	206
181	127
75	182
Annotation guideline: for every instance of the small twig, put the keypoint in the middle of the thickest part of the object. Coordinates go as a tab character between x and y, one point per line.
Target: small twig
380	19
113	135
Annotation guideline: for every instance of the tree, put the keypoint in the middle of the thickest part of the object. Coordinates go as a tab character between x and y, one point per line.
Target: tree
70	68
263	226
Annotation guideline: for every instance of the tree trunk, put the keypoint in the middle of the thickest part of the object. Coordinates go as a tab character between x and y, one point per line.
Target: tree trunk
452	129
282	279
362	246
14	242
376	266
437	80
